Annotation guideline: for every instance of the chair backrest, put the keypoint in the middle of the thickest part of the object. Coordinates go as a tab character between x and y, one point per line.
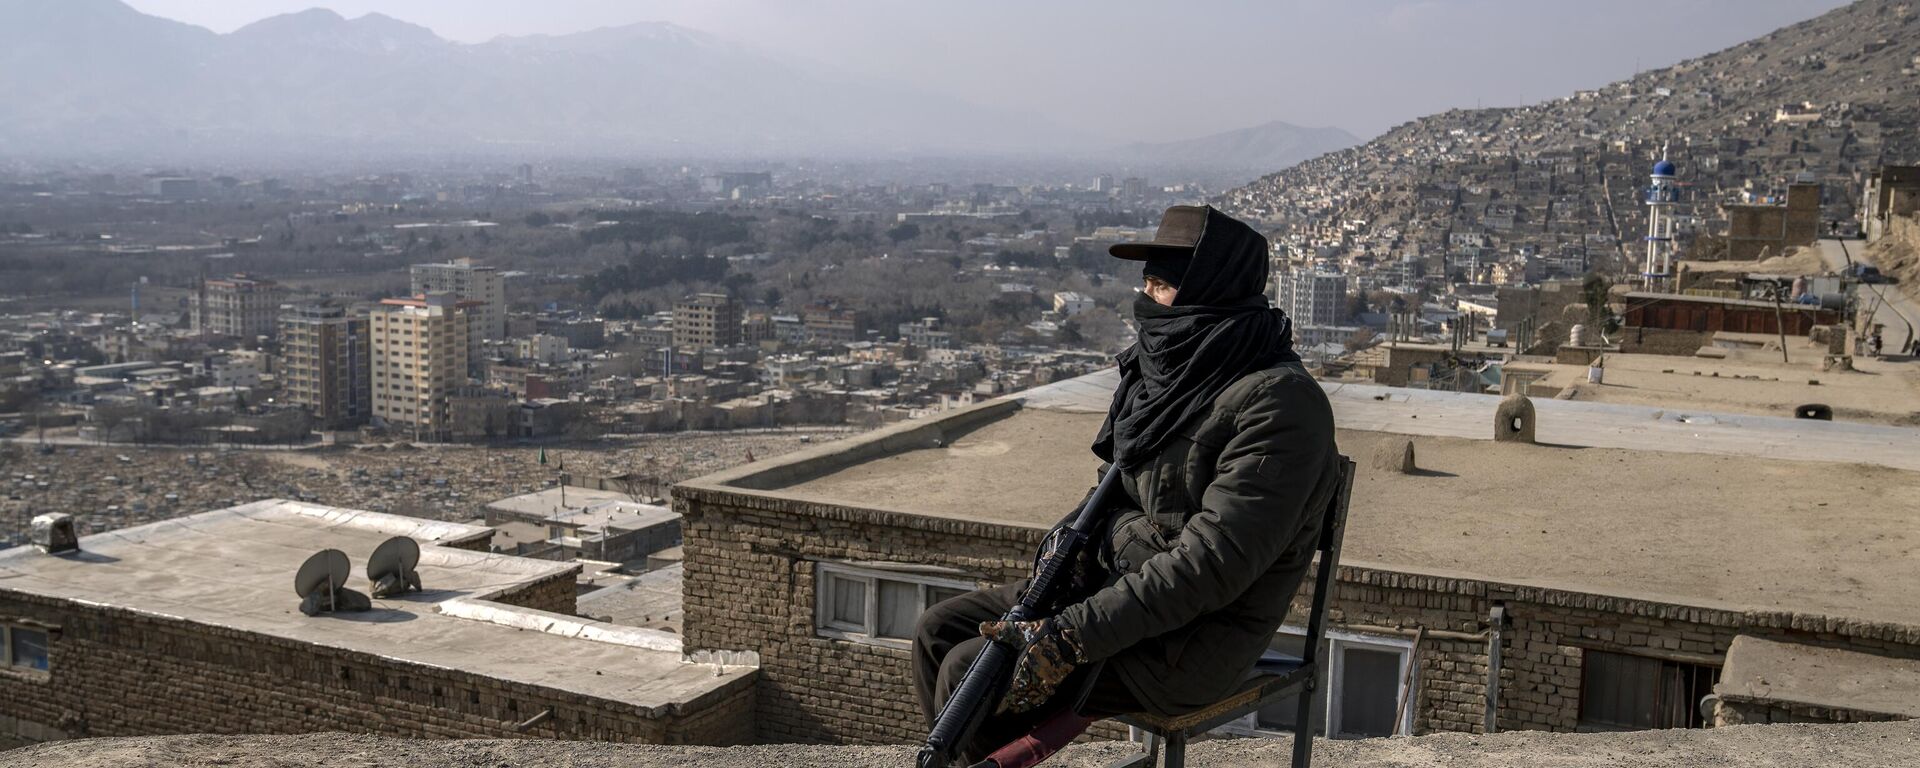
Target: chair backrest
1333	527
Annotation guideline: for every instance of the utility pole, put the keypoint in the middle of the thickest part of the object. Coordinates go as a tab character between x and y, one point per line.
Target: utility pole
1780	324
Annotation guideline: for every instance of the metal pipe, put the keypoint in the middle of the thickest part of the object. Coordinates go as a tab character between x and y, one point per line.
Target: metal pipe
1495	619
1437	634
535	720
1406	683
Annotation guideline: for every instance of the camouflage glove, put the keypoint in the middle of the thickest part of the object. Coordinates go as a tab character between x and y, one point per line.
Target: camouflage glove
1048	654
1083	575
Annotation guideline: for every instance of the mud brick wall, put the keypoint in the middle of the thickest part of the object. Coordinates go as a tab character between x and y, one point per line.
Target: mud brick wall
749	586
555	594
1548	633
1741	711
114	672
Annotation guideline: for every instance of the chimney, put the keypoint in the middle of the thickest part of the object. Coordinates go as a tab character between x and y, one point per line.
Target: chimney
53	533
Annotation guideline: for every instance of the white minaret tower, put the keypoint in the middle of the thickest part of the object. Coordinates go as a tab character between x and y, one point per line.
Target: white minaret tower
1661	197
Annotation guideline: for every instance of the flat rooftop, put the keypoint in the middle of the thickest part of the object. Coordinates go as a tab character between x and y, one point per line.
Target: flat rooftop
1780	673
1750	381
1698	509
547	502
234	568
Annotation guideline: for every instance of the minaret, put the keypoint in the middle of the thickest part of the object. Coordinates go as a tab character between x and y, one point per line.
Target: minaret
1662	195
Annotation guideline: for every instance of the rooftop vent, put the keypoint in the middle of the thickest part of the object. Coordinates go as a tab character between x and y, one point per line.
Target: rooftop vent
53	533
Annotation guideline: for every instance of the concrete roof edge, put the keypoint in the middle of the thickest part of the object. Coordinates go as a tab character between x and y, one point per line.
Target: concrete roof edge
1638	603
481	609
799	466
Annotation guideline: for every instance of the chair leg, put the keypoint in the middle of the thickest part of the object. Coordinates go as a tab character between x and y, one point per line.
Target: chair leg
1177	750
1303	729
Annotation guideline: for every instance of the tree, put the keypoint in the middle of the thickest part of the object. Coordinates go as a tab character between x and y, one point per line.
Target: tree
1593	290
538	219
904	232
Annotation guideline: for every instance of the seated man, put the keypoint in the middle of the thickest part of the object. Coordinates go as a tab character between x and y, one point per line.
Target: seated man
1227	453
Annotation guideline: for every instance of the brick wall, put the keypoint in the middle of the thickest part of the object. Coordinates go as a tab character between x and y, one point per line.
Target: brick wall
554	593
1741	711
1548	633
749	586
119	673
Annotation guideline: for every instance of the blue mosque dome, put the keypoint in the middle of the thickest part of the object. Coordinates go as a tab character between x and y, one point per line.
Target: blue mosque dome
1663	168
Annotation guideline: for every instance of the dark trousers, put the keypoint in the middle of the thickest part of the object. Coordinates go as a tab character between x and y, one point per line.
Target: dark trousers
947	639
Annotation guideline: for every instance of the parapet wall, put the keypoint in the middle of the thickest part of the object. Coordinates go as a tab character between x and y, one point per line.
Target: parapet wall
119	672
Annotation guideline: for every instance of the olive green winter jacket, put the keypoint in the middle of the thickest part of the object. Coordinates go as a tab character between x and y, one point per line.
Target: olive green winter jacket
1220	535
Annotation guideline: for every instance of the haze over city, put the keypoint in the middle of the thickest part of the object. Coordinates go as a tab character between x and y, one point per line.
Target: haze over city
1058	75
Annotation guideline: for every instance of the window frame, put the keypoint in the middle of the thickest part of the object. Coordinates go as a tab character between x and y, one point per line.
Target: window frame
7	642
824	572
1586	722
1333	663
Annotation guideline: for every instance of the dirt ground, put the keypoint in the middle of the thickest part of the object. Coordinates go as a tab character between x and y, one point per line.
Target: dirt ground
112	487
1750	746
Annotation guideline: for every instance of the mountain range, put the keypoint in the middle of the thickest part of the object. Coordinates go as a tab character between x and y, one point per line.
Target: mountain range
96	77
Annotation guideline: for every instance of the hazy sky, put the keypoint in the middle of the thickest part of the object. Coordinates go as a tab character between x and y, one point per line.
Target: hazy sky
1135	70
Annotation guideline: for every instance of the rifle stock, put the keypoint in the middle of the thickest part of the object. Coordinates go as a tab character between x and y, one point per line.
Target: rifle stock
979	692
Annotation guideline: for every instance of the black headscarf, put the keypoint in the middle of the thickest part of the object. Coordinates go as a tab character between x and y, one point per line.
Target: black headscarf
1219	328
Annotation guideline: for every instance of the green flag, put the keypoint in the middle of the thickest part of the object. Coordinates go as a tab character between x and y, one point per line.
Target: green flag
543	457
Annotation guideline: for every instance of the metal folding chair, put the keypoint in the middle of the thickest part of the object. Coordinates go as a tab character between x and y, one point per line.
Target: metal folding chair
1275	676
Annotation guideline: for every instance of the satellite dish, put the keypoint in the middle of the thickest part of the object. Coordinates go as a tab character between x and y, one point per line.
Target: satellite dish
321	584
391	568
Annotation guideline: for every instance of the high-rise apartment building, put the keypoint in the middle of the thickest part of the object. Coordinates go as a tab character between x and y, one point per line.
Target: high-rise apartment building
238	306
324	364
470	283
1311	295
419	353
706	320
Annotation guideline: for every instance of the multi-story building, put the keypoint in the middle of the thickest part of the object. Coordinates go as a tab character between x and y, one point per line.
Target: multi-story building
1312	295
240	306
419	354
706	320
829	323
487	319
324	363
925	333
1070	303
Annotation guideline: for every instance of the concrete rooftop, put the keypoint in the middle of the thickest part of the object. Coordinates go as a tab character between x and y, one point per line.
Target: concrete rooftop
1750	380
235	567
1830	678
545	503
1700	509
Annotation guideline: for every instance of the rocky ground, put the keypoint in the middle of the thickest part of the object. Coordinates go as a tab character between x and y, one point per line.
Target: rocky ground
1878	744
111	487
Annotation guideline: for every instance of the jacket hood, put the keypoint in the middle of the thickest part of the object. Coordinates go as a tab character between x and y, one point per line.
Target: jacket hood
1229	264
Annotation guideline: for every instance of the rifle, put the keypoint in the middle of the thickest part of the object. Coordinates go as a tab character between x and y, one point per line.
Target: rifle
987	678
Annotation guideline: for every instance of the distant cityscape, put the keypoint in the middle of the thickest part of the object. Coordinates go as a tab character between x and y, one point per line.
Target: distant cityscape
676	449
